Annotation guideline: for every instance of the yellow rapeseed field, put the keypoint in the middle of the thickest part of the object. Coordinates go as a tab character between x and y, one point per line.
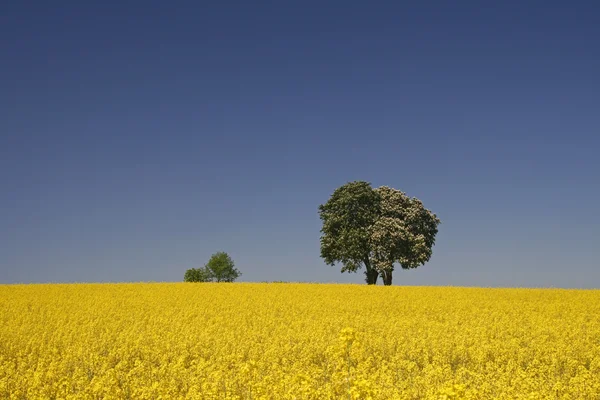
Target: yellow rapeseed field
297	341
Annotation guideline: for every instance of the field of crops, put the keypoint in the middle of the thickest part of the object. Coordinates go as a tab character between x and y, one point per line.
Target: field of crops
297	341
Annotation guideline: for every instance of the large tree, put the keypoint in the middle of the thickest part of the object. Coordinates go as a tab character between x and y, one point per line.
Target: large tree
376	228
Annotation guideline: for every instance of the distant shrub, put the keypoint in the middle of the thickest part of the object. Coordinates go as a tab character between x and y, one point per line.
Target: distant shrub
197	275
220	268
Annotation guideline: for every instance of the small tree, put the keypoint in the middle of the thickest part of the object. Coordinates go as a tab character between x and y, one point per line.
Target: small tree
376	228
222	268
197	275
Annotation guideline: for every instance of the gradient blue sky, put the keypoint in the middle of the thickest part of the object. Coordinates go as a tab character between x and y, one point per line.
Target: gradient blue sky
138	138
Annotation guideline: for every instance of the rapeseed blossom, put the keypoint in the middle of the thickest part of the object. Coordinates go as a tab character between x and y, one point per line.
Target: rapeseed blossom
297	341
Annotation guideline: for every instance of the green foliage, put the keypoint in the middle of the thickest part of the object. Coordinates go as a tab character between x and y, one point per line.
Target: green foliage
346	217
376	228
197	275
222	268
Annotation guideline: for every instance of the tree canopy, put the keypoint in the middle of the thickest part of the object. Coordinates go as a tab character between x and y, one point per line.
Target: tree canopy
376	228
220	268
197	275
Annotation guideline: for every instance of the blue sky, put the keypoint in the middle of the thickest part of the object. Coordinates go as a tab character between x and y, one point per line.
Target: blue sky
138	138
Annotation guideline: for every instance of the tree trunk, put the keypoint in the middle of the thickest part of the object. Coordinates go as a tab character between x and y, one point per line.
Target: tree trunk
371	273
372	277
387	278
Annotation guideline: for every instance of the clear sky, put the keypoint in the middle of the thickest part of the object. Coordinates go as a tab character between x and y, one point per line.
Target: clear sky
138	138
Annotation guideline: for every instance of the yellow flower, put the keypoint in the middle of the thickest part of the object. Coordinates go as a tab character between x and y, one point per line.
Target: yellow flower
297	341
